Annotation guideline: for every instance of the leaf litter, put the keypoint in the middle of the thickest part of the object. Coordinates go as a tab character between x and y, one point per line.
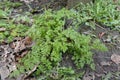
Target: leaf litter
9	54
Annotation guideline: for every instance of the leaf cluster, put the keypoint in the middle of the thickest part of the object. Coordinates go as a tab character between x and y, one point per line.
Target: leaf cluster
7	4
104	12
12	26
53	40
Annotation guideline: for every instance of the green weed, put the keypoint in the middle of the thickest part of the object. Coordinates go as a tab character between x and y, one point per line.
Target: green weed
12	26
8	4
53	40
103	12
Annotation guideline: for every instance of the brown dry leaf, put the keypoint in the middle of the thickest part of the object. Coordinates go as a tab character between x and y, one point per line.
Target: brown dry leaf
4	72
12	45
17	39
99	74
12	67
24	53
118	8
7	61
89	76
17	47
11	53
115	1
101	34
115	58
2	29
22	46
105	63
28	40
27	1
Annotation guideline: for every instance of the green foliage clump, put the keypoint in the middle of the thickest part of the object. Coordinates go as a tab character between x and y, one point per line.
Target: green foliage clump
12	26
9	4
9	28
104	12
53	40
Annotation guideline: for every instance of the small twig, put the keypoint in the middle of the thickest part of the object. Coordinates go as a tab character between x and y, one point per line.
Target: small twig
25	75
100	26
106	31
31	71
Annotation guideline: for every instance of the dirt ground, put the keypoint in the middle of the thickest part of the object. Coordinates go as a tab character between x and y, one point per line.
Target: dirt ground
106	68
